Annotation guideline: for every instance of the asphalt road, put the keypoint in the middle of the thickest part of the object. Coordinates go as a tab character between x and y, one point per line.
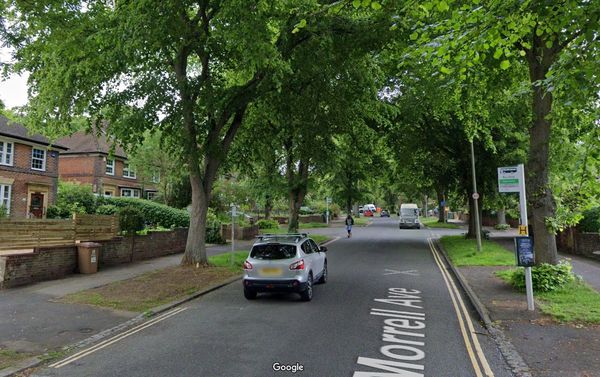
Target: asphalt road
413	331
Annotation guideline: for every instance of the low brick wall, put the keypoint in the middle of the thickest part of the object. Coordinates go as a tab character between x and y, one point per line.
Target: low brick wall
241	233
573	242
57	262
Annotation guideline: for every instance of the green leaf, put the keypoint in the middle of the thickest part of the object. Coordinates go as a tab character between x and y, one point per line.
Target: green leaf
414	36
376	5
356	3
366	3
498	53
445	70
539	32
549	44
522	53
442	6
504	64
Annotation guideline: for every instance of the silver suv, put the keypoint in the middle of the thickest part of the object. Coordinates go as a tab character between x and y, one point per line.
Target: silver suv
284	263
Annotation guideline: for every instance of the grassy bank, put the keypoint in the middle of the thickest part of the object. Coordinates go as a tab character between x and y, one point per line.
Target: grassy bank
159	287
463	252
432	222
575	302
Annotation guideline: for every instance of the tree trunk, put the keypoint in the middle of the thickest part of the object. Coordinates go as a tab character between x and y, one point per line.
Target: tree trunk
441	209
195	247
268	207
296	199
501	216
472	233
540	198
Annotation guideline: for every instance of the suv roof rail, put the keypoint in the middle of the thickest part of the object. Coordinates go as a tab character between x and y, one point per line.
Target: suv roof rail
282	235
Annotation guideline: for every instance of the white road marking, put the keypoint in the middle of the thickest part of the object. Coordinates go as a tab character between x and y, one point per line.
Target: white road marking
116	338
331	241
408	272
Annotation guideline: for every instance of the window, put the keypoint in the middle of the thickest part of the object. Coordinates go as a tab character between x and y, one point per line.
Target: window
110	167
155	177
38	159
273	251
130	193
108	194
128	172
307	248
6	153
315	247
150	195
5	197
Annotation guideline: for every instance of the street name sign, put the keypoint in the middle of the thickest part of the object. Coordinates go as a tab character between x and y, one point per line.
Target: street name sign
509	179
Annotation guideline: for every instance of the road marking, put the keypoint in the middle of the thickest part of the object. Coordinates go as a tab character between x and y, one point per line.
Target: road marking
408	272
330	241
116	338
456	299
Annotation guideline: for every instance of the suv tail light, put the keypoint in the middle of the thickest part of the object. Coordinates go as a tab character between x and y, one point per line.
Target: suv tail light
297	265
247	265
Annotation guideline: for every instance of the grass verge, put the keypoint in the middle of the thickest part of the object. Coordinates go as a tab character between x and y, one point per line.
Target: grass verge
463	252
432	222
9	358
575	302
160	287
362	221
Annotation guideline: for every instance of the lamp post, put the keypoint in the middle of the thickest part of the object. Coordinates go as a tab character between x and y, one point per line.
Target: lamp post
475	199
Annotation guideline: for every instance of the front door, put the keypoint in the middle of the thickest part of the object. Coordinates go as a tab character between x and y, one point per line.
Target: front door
37	205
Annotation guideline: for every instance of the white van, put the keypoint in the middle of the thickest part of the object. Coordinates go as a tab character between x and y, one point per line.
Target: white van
409	216
370	207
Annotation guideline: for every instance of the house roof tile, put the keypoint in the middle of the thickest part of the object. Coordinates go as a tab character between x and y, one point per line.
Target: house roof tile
18	131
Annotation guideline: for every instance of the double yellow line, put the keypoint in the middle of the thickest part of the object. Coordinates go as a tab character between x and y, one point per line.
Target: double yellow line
478	360
116	338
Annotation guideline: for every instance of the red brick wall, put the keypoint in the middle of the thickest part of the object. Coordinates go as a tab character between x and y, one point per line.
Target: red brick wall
573	242
57	262
22	174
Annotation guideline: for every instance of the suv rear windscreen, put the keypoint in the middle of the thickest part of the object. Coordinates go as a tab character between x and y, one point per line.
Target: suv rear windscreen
273	251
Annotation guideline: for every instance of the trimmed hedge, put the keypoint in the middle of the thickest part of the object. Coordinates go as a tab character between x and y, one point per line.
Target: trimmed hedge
154	213
267	224
591	221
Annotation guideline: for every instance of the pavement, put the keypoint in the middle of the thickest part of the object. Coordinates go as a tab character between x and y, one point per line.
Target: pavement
548	348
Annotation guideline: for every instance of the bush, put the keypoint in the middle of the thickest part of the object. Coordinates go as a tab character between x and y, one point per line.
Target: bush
74	198
3	212
131	220
53	212
107	209
154	213
267	224
502	227
545	277
591	221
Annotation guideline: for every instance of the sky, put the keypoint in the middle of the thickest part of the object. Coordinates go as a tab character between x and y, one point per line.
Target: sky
13	90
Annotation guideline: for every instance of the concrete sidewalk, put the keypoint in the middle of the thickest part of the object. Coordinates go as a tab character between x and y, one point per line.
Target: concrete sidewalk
549	348
34	322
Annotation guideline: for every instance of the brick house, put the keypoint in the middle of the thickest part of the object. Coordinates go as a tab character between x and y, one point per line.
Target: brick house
28	171
91	160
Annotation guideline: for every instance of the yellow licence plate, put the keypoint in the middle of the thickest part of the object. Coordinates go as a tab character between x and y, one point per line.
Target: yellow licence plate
270	271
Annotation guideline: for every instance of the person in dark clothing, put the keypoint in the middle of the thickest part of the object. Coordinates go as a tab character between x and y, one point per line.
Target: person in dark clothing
349	223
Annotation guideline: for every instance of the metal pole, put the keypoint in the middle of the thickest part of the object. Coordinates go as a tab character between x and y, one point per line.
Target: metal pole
475	200
425	206
232	233
327	211
525	222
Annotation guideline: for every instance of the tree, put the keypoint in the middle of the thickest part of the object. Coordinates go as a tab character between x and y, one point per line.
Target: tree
187	68
557	42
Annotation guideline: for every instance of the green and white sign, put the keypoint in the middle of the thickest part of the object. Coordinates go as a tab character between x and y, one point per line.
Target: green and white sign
509	179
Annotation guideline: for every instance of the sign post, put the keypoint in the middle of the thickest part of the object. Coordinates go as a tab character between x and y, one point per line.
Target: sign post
233	215
512	179
327	202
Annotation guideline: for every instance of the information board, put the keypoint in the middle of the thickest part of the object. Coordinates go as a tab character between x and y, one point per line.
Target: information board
524	250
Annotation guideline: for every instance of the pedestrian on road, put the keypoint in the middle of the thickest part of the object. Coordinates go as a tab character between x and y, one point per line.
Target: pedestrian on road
349	223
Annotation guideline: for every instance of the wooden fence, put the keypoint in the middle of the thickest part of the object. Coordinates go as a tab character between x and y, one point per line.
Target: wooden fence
31	233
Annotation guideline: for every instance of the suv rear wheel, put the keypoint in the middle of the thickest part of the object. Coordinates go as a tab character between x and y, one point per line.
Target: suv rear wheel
307	294
250	294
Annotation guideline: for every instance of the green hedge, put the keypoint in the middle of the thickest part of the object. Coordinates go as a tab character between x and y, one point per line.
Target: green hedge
591	221
267	224
545	277
154	213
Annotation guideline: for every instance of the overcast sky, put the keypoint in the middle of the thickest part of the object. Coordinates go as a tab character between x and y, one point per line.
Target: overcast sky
13	91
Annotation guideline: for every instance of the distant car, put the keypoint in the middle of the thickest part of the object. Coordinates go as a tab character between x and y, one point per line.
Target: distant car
284	263
384	213
360	209
370	207
367	213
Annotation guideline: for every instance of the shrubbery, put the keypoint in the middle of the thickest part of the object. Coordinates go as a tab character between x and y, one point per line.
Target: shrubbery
267	224
502	227
154	213
131	220
545	277
107	209
3	212
591	221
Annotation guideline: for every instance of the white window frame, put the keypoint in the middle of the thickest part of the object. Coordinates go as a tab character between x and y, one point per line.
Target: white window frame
128	172
33	158
7	159
3	189
149	193
110	163
155	177
132	193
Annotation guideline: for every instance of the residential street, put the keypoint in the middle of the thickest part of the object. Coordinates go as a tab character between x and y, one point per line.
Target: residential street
223	334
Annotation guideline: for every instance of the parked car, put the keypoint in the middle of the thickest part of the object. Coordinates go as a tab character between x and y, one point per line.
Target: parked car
384	213
367	213
370	207
284	263
409	216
